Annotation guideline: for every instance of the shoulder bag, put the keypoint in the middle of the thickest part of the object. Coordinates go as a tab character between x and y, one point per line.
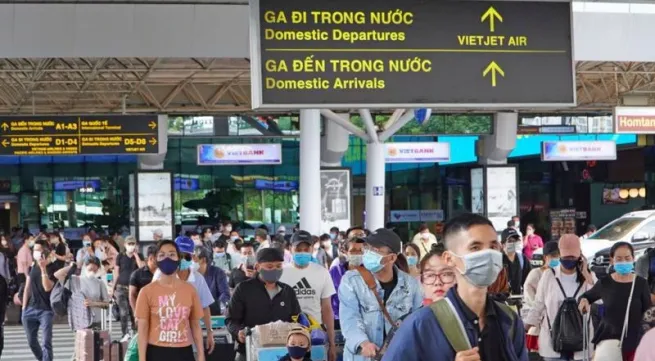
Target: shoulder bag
612	349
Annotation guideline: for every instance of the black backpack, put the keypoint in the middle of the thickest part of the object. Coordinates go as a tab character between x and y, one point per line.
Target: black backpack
566	330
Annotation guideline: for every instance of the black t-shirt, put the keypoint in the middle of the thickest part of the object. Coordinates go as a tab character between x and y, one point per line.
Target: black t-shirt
388	287
615	300
60	250
126	266
141	278
39	298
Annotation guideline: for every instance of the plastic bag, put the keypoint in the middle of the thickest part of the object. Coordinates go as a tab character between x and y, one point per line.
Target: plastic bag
132	353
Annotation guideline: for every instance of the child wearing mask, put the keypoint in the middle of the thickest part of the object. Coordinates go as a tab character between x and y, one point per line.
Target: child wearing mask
298	345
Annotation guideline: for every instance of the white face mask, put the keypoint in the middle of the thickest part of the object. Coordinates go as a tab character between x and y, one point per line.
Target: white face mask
100	253
129	248
425	236
90	274
37	255
227	229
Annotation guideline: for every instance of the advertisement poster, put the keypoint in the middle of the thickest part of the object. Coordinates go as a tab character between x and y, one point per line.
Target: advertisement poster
155	203
562	221
502	201
420	152
239	154
477	191
335	199
578	150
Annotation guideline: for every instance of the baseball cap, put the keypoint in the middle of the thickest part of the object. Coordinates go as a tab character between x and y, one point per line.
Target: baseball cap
385	238
270	255
550	248
509	233
185	244
301	237
569	245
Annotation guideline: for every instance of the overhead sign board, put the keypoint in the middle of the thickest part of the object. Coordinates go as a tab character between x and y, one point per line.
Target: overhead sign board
239	154
419	152
553	151
410	53
634	120
75	135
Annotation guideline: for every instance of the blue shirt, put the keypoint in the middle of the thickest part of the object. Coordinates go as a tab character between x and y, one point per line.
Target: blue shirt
421	338
217	282
199	283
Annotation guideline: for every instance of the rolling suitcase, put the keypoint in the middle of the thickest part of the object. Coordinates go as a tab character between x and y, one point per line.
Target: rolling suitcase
95	344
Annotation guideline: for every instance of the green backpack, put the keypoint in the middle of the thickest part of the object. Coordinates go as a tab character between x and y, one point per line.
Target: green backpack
453	327
132	353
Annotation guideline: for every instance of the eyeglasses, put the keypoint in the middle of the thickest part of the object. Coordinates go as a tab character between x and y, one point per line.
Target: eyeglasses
445	278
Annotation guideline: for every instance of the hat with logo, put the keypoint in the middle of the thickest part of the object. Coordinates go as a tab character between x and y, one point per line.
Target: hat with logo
509	233
301	237
185	244
385	238
270	255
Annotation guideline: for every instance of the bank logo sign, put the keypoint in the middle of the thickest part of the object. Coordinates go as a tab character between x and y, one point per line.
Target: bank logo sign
578	150
239	154
384	54
634	120
428	152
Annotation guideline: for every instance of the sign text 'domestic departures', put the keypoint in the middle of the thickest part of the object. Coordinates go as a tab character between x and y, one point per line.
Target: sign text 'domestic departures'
78	135
403	52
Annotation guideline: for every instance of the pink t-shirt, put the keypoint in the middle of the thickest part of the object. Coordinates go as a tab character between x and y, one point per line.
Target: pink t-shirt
24	260
532	243
646	349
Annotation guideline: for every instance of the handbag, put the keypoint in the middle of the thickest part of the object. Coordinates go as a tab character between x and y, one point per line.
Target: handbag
611	350
369	280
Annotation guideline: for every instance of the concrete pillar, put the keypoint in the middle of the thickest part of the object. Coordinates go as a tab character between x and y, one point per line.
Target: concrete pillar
156	161
334	143
375	183
495	148
310	170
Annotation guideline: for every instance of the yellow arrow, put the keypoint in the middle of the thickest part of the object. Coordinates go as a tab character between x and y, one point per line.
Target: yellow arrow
153	141
492	15
152	125
5	126
5	143
494	69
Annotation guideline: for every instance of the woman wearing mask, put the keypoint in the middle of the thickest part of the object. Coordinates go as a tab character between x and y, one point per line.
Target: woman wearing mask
531	241
319	255
571	279
424	240
436	276
412	254
85	311
615	291
551	261
87	250
99	252
352	253
169	312
60	250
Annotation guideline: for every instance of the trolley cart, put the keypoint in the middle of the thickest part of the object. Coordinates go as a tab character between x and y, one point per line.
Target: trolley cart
223	343
319	353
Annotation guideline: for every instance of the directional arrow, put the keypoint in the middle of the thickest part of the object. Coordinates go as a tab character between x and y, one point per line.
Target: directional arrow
492	15
494	69
5	126
6	143
152	125
153	141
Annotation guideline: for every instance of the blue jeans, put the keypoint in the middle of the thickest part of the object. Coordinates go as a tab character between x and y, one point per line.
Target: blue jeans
33	320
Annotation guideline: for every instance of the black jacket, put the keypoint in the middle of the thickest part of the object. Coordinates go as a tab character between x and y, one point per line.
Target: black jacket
251	305
237	276
517	274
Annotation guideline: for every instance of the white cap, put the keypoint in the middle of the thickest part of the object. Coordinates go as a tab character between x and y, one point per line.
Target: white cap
281	229
158	232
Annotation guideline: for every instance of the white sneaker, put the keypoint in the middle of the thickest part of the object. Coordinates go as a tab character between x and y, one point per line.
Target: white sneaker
126	338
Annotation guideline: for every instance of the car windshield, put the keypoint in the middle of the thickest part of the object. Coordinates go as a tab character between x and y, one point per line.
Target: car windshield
618	229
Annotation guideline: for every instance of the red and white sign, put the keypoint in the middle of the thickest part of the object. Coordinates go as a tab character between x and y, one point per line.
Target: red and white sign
634	120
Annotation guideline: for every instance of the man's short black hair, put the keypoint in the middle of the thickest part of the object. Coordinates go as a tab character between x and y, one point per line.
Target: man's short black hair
334	230
463	222
219	244
510	224
325	237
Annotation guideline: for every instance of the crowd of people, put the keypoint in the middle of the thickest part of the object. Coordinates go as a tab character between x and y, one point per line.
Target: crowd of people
463	293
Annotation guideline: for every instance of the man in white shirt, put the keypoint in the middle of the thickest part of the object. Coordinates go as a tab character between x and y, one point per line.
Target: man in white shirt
312	283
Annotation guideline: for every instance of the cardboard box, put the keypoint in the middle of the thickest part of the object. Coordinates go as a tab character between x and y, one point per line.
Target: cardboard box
274	334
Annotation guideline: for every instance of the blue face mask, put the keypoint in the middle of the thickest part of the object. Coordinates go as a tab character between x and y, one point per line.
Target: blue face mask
219	254
302	259
624	268
333	236
185	265
554	263
569	264
412	260
296	352
372	261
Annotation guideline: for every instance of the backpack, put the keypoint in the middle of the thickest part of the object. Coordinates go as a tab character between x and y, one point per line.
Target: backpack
61	294
453	328
566	332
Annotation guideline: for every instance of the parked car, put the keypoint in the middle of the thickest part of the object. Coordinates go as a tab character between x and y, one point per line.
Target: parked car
600	264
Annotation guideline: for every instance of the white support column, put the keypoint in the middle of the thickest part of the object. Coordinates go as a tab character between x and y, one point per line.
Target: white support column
310	170
375	191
